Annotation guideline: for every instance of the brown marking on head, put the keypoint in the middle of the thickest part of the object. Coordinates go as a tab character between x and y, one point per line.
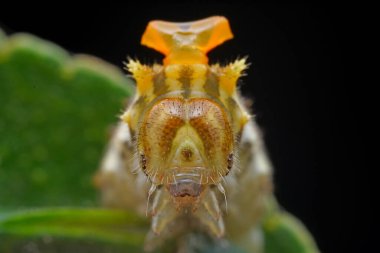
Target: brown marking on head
211	85
211	123
159	129
185	78
159	85
187	154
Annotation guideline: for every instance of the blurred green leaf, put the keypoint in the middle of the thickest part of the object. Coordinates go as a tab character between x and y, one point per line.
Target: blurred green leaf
86	230
50	230
284	233
55	113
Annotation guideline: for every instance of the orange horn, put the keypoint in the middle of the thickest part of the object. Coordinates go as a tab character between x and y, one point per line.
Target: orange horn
187	42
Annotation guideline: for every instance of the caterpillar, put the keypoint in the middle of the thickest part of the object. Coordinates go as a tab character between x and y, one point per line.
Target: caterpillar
187	151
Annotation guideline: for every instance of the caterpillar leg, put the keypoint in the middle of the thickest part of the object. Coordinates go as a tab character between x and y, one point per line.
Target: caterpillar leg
210	215
162	211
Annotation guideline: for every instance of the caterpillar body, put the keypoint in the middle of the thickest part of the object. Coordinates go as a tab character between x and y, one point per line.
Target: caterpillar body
187	151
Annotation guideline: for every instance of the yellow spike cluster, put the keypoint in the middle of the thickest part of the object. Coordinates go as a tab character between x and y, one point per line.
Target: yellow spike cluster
143	75
229	74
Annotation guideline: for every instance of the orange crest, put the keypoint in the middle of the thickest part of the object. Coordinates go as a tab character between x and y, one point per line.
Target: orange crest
187	42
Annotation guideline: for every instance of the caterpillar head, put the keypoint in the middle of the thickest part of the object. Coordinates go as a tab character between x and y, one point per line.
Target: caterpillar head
186	143
186	115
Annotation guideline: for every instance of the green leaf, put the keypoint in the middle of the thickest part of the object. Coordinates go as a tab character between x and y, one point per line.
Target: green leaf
86	230
61	229
55	113
283	233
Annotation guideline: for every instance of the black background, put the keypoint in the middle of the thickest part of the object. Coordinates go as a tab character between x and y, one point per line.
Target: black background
298	79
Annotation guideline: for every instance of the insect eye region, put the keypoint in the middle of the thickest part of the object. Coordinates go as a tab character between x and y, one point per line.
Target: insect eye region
185	143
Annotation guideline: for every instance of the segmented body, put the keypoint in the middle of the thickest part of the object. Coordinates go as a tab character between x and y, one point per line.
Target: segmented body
187	152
